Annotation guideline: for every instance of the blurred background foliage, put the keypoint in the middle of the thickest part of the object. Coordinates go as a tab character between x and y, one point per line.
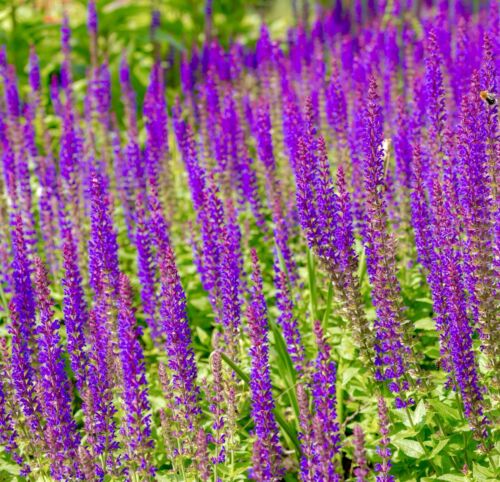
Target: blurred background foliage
124	27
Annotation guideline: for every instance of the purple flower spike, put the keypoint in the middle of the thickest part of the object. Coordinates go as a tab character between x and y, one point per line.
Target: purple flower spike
266	448
392	354
181	361
98	403
326	427
74	306
8	434
34	72
61	434
103	246
137	432
92	17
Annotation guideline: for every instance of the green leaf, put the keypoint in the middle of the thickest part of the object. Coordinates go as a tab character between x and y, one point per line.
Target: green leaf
419	413
410	448
440	446
445	410
348	374
482	473
452	478
425	324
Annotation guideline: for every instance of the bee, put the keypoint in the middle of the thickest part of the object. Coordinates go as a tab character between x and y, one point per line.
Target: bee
488	97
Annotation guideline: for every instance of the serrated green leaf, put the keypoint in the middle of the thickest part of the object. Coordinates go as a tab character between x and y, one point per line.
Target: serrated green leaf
410	448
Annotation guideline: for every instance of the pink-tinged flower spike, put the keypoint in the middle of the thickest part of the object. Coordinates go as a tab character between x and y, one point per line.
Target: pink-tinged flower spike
137	429
383	449
103	246
75	311
61	432
325	424
308	457
202	460
359	459
217	408
392	352
476	206
267	450
181	361
287	319
9	411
